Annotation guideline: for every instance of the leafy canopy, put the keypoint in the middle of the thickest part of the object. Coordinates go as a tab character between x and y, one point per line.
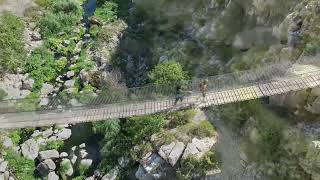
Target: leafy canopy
167	73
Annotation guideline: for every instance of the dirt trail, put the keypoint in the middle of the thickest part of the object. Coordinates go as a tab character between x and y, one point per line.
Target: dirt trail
15	6
228	146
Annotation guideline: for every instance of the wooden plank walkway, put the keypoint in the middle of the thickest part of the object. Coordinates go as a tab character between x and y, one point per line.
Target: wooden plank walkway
83	114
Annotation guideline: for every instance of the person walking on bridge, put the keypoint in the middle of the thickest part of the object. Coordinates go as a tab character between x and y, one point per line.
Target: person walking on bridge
179	94
203	86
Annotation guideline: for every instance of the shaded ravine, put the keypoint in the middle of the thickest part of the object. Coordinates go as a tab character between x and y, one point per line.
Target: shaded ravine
228	148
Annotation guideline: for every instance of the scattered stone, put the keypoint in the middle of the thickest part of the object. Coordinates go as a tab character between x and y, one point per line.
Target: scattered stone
41	141
123	162
75	103
69	84
46	89
90	178
165	150
176	153
83	145
83	153
49	154
28	84
70	74
1	176
205	144
73	159
36	133
86	162
190	150
69	169
7	142
53	176
64	134
141	174
73	149
35	36
46	166
63	155
30	149
112	175
47	133
52	138
44	101
87	36
6	174
3	166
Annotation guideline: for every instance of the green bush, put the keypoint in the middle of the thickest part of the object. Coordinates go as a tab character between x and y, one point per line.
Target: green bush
62	17
43	67
3	94
12	52
167	73
140	151
194	167
52	145
201	130
21	167
141	128
15	137
107	12
180	118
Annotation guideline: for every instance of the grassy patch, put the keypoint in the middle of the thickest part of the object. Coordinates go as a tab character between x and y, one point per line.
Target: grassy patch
180	118
22	168
12	52
201	130
52	145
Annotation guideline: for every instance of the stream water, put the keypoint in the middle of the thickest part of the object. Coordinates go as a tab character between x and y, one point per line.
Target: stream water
89	7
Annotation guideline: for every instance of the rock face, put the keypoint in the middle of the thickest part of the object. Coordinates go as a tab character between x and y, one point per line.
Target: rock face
30	149
49	154
191	149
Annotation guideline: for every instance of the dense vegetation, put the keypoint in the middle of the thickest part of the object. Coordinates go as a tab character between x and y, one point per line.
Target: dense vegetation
12	52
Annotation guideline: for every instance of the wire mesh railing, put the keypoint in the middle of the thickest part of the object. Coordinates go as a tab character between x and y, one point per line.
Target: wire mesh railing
147	93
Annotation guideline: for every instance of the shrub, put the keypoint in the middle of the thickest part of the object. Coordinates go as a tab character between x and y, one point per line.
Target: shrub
107	12
167	73
15	137
180	118
12	52
201	130
140	151
22	168
194	167
141	128
52	145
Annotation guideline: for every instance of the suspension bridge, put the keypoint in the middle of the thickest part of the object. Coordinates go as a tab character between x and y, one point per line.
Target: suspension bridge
270	80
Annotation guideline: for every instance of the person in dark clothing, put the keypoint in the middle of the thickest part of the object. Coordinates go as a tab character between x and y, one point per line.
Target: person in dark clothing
179	94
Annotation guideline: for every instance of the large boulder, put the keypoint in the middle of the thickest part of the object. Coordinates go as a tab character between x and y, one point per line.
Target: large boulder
53	176
190	150
64	134
172	152
27	84
7	142
49	154
30	149
86	162
3	166
47	89
46	166
205	144
69	84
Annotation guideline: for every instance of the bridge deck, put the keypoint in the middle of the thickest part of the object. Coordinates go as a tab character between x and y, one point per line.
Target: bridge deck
103	112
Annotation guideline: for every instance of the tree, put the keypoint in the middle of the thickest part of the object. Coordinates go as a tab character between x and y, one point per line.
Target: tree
167	73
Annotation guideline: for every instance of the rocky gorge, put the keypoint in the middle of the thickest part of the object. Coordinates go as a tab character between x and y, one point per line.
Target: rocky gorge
67	52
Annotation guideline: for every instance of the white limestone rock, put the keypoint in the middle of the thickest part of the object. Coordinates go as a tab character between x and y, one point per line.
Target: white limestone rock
30	149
